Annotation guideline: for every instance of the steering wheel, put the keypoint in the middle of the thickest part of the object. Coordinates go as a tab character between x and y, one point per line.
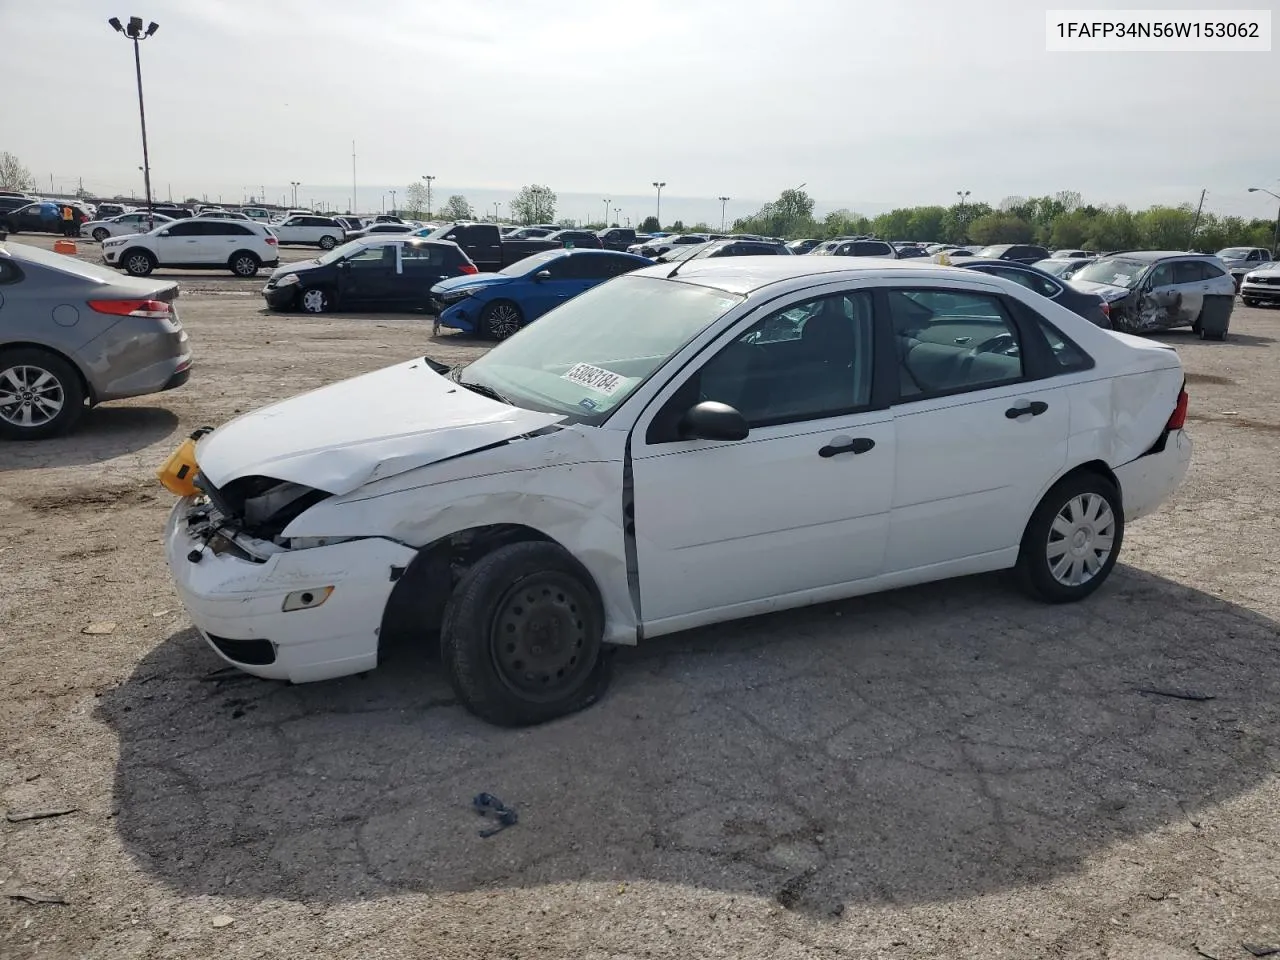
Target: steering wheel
1001	343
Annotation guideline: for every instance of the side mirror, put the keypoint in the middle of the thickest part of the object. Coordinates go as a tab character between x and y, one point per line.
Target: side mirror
342	265
712	420
541	275
164	233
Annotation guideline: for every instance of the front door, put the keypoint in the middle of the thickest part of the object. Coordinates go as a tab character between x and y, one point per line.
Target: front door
369	276
567	279
801	503
181	243
1160	303
976	442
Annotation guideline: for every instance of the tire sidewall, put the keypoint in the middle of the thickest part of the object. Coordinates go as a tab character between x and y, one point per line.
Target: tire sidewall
101	234
72	393
1033	564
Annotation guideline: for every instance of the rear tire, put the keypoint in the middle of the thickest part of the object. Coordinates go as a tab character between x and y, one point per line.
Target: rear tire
244	263
501	319
1250	302
1072	540
138	262
327	243
522	637
41	387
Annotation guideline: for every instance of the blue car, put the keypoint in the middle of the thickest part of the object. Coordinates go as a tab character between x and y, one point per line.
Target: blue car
496	305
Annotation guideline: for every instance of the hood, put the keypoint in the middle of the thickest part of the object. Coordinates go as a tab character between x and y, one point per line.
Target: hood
298	266
471	281
345	435
1107	291
1266	270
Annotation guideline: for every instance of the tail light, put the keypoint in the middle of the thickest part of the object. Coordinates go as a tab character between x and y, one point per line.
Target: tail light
1179	418
468	268
1106	309
271	241
133	308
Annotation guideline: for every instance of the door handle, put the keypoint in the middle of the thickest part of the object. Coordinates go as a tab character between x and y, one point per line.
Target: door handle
1034	407
846	445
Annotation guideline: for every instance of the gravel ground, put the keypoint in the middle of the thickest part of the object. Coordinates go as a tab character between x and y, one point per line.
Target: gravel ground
940	771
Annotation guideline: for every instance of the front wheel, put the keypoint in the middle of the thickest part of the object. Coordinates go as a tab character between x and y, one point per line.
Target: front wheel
100	234
138	263
1072	540
315	300
40	395
522	636
500	319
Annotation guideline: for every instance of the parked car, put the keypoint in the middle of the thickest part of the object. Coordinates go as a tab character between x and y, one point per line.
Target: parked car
1017	252
612	473
173	213
527	233
217	214
137	222
394	272
803	246
586	239
310	230
124	340
261	214
106	211
658	245
1261	285
617	238
1091	306
855	248
386	218
240	246
1072	255
351	224
488	249
1063	268
43	216
383	229
724	248
1155	290
497	305
12	203
1241	260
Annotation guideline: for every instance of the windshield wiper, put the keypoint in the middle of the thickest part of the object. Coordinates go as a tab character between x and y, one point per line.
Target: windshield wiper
485	391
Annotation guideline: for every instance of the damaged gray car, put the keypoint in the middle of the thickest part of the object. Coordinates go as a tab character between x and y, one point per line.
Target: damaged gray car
1150	290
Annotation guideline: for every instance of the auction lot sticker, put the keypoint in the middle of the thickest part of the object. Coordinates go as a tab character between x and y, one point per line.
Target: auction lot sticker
594	378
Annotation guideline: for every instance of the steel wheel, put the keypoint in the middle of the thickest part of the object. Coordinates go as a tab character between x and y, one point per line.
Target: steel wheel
502	320
100	234
539	637
314	300
1081	538
30	396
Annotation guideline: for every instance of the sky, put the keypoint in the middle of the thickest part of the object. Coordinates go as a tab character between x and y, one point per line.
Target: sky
870	105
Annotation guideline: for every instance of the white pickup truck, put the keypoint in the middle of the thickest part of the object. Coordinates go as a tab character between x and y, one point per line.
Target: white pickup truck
1240	260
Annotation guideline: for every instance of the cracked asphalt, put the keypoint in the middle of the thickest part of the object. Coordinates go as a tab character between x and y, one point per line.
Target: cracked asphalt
939	771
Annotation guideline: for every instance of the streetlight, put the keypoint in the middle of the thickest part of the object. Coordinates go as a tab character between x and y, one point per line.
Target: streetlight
659	213
964	227
606	214
617	214
496	215
428	177
723	201
295	184
1275	240
393	201
135	33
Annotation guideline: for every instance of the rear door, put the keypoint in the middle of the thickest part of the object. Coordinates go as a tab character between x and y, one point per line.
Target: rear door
422	266
1191	281
977	441
481	243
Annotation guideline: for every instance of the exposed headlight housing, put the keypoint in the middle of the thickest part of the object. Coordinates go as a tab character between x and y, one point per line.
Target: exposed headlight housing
287	281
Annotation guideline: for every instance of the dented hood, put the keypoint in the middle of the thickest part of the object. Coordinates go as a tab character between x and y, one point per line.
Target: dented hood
345	435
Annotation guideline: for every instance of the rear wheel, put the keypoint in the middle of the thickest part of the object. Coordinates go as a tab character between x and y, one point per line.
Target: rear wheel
500	319
244	263
40	394
1072	540
1250	302
315	300
138	263
327	242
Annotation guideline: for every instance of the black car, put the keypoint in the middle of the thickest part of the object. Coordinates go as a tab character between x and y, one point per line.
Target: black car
43	216
1088	305
393	272
582	239
1016	252
724	248
617	238
802	246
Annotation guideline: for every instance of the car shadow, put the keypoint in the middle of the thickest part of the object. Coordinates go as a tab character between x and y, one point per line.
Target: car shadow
928	744
102	433
1180	336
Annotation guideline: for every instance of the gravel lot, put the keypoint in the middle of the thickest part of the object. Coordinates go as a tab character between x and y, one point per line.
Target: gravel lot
941	771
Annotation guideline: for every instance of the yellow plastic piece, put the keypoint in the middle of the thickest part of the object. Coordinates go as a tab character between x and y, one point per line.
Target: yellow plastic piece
178	474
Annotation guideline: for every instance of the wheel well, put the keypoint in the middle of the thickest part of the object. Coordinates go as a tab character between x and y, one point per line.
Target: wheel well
231	258
1093	466
417	602
85	385
130	250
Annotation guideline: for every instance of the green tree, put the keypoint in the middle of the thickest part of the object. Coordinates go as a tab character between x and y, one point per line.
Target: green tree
534	204
13	175
1000	228
791	215
457	208
650	225
1166	228
926	223
415	198
678	227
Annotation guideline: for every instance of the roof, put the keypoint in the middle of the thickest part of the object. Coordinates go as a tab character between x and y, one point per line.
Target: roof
746	274
1151	256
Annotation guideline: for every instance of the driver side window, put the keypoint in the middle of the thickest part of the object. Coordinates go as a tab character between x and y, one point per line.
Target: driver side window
952	342
371	257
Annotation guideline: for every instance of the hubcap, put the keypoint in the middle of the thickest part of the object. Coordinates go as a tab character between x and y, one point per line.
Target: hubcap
100	235
313	301
139	264
29	396
245	267
1081	538
504	321
539	637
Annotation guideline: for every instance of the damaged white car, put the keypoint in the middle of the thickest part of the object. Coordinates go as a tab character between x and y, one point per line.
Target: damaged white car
676	447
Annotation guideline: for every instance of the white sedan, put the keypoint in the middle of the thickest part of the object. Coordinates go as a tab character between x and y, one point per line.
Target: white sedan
126	223
670	449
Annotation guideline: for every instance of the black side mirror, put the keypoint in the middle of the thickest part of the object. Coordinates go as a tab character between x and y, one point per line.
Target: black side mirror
542	275
712	420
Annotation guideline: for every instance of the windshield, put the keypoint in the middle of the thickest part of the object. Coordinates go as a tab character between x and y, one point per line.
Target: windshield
993	252
1117	273
339	253
1056	267
1234	253
686	252
586	356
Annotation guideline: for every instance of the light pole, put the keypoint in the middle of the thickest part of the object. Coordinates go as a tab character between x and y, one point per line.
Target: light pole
659	187
295	184
1275	240
964	226
496	216
428	177
723	201
393	201
135	33
606	215
617	214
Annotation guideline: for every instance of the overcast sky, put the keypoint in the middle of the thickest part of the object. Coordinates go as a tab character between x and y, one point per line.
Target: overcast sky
870	104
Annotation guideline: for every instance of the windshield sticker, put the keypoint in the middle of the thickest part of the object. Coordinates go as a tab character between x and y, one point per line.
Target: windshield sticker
594	378
1120	279
586	403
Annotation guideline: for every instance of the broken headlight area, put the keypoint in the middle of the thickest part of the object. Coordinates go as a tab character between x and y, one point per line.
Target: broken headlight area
248	515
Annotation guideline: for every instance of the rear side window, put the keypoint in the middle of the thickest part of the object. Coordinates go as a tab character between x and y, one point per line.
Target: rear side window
1027	279
424	255
1188	271
1067	354
1212	270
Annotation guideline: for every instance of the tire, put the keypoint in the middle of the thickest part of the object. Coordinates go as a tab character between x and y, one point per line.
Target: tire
1060	530
327	242
315	300
244	263
1250	301
501	319
30	372
101	234
1219	335
525	602
138	262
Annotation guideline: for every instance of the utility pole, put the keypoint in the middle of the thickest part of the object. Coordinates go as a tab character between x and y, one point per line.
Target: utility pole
295	184
496	215
428	177
1276	238
723	201
617	214
355	197
964	225
1196	222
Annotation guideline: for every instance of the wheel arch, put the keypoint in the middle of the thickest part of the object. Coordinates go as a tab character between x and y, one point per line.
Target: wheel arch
135	249
85	385
1096	467
243	250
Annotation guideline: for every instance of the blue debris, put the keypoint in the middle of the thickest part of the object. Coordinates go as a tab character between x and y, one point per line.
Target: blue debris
487	805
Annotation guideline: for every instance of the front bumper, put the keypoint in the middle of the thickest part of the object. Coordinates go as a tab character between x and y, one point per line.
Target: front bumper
1261	291
460	315
1150	480
236	604
281	298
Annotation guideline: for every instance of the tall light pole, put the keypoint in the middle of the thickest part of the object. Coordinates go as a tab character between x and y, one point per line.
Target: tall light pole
1275	240
496	216
295	184
723	201
135	33
428	177
606	214
355	197
617	214
964	226
393	201
659	187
